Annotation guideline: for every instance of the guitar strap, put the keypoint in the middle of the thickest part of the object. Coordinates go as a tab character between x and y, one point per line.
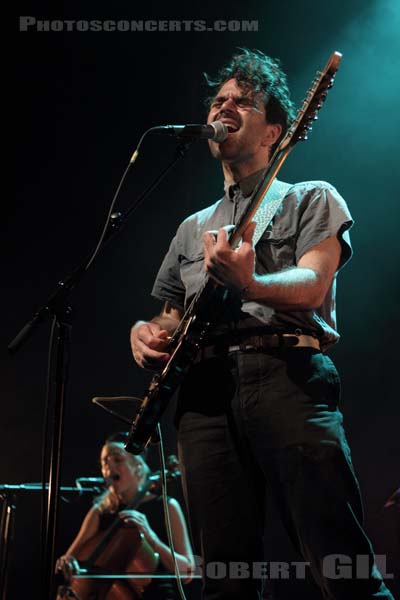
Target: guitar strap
269	207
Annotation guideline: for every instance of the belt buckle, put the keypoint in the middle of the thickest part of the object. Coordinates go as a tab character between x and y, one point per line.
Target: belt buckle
291	340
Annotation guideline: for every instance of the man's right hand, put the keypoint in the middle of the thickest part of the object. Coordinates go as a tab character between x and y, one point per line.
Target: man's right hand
148	343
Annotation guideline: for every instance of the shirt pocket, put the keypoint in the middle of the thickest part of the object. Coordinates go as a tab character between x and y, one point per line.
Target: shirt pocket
276	250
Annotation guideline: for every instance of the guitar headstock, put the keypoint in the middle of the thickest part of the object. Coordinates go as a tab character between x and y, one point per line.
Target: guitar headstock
316	95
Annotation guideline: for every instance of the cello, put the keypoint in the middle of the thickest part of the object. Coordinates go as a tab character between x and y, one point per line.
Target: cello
117	550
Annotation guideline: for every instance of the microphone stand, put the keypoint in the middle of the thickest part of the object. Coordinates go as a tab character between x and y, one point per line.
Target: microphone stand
8	495
58	308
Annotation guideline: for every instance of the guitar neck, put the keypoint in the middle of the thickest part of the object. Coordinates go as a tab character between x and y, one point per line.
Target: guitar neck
259	194
302	124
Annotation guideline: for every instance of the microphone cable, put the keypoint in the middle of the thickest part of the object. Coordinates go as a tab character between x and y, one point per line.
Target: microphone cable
117	219
166	513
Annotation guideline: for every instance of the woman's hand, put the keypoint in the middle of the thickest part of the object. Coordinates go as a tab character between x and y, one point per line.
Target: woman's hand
134	518
68	565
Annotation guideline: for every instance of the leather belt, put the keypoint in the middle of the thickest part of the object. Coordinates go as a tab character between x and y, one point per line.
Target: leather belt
260	343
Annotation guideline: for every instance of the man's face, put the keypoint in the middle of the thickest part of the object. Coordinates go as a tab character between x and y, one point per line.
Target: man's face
244	115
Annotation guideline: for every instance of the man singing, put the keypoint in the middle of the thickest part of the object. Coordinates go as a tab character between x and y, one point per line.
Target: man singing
258	410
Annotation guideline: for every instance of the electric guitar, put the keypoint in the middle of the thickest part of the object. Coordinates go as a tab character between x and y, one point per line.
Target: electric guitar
209	302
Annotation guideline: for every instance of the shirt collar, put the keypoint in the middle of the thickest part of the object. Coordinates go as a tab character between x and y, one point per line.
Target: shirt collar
246	185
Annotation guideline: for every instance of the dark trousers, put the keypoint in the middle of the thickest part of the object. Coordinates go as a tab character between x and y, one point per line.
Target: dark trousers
256	422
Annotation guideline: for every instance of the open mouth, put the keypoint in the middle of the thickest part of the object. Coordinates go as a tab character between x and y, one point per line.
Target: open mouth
232	128
111	479
231	125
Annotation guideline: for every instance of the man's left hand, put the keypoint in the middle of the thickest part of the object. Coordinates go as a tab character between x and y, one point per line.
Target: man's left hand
232	268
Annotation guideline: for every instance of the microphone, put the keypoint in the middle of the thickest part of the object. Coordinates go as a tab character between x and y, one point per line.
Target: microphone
97	484
95	480
216	131
103	481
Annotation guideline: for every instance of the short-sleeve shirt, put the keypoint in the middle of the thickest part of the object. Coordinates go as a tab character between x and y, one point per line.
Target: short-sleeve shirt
310	212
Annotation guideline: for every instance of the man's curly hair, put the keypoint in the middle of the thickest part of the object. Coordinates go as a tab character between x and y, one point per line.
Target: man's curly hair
257	73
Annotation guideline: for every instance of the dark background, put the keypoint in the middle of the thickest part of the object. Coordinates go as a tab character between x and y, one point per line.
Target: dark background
82	101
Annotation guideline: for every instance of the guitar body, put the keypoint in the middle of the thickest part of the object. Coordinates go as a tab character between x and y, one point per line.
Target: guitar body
126	551
184	348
